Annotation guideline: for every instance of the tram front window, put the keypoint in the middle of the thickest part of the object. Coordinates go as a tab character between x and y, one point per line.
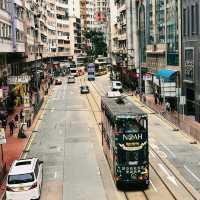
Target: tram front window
131	125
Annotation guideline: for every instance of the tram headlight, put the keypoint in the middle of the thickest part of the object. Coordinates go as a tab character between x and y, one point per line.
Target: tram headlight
145	174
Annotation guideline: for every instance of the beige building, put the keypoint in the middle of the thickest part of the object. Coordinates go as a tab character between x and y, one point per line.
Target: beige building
43	30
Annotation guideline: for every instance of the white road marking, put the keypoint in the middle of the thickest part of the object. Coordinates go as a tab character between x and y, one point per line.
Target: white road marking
152	153
55	175
155	147
191	173
162	154
154	187
52	110
171	152
169	177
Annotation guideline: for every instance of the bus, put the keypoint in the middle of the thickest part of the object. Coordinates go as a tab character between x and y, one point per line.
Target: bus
101	64
91	72
125	141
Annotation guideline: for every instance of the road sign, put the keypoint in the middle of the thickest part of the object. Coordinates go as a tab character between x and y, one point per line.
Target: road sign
182	100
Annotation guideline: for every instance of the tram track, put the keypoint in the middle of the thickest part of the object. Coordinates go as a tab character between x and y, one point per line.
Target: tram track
128	195
181	182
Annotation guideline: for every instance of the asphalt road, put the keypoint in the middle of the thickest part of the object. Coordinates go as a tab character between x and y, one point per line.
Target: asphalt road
63	140
173	145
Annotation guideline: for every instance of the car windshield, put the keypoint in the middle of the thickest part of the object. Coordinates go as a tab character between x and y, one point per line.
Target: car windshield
20	178
118	84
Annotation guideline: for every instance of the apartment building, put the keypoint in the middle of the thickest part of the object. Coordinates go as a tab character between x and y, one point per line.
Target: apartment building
101	15
87	13
11	36
162	49
126	35
190	56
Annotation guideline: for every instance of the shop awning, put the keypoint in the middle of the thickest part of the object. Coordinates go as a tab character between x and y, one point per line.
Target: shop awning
166	74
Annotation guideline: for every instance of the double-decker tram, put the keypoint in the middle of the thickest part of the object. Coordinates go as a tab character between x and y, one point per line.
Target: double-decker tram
125	141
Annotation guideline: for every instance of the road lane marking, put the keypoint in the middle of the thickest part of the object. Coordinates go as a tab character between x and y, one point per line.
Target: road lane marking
154	187
169	176
52	110
55	175
191	173
153	155
171	152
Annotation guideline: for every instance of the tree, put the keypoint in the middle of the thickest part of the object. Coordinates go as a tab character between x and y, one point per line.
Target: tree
96	44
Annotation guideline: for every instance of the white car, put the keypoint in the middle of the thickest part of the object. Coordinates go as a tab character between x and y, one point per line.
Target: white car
71	79
24	180
117	86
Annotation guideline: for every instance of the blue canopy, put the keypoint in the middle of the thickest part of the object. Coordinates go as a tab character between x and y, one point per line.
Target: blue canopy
166	74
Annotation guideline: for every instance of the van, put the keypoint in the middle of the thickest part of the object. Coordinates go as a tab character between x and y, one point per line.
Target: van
116	86
24	180
73	72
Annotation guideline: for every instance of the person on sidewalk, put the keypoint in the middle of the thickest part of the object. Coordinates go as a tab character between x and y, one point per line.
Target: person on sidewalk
16	119
21	115
12	126
4	123
156	98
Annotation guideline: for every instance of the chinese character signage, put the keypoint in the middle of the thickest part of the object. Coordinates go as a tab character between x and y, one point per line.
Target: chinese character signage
13	80
189	64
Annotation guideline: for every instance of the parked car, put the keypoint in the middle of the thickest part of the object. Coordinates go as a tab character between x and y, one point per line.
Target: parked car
117	86
58	82
24	180
71	79
84	89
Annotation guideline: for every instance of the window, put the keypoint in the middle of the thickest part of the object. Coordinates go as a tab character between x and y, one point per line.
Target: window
188	21
193	19
197	18
20	178
184	22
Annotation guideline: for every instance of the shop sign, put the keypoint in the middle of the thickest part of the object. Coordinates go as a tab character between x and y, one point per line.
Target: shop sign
2	136
1	94
26	102
13	80
5	91
147	77
189	64
182	100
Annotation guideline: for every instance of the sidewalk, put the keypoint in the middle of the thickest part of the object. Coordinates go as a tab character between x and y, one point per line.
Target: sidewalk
14	147
185	123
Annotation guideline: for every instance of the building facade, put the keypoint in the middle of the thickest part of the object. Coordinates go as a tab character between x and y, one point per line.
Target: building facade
190	56
162	49
87	14
101	15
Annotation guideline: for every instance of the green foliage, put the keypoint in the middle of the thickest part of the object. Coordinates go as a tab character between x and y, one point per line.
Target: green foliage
98	44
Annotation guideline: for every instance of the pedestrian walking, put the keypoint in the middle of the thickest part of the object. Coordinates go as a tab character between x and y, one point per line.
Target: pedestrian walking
16	119
4	123
168	107
12	126
155	98
21	115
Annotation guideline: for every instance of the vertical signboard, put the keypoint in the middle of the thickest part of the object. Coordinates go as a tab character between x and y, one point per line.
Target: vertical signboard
189	64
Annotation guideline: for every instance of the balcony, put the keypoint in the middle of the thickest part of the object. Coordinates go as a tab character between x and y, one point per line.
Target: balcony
18	2
6	45
20	47
156	48
122	8
122	37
